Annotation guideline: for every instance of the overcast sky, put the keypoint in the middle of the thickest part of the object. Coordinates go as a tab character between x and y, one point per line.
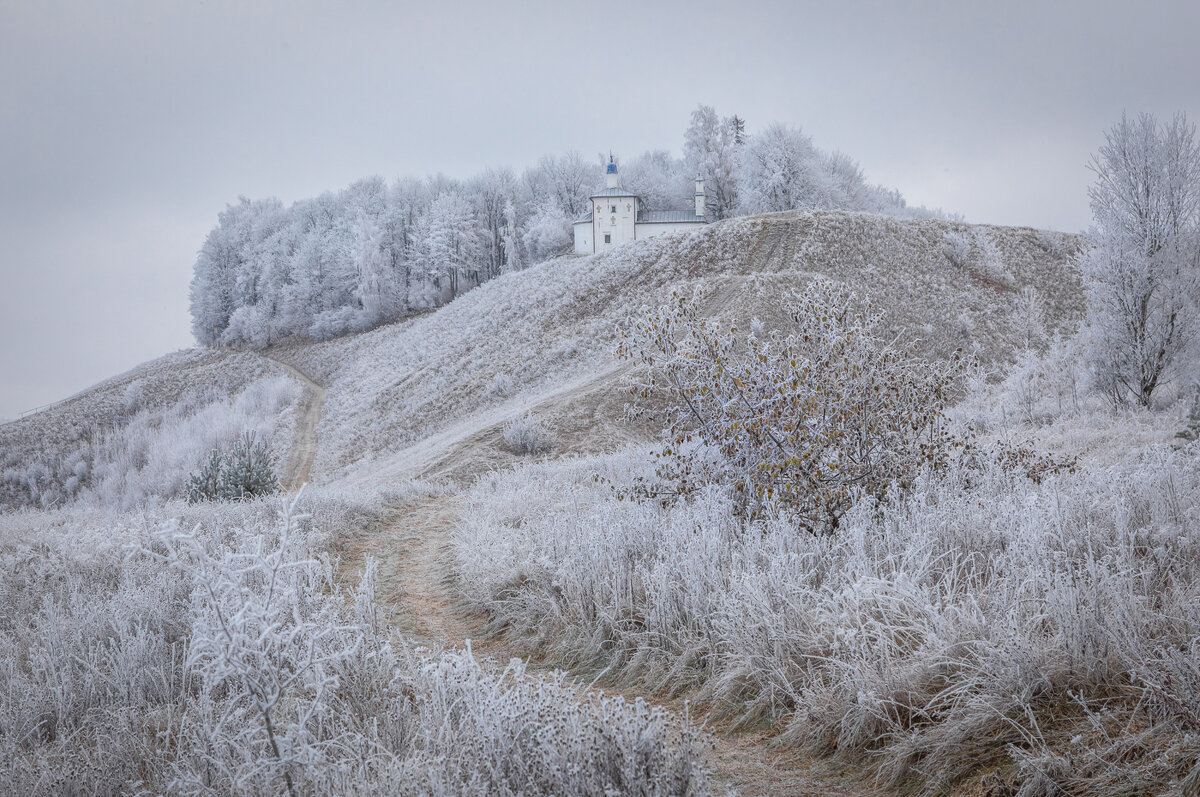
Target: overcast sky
125	127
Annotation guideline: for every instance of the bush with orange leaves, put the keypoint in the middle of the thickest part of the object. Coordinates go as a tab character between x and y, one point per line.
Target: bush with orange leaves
806	423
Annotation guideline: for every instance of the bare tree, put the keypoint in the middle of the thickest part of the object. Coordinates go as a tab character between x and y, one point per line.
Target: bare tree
1145	260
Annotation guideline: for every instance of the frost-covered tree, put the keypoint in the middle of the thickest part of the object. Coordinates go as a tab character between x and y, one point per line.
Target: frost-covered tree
662	182
510	239
781	170
1144	264
446	248
568	179
737	127
377	289
805	423
490	194
711	150
549	232
225	275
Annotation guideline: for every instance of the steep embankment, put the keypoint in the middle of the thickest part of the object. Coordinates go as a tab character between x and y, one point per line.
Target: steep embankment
402	395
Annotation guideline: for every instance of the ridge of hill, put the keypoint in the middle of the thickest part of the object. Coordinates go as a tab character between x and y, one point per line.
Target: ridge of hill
525	338
533	338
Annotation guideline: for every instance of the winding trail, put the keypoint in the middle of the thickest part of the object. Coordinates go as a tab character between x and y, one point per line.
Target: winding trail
298	469
415	582
415	579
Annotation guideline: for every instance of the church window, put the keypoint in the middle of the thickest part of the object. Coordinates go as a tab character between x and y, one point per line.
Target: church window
612	209
607	238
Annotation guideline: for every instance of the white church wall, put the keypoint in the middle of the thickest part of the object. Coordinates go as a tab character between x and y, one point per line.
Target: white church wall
663	228
619	226
583	238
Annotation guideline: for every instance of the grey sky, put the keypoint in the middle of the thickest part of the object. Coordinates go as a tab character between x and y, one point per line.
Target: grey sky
125	127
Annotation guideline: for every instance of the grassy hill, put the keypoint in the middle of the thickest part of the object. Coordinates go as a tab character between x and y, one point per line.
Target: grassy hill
525	337
522	340
920	641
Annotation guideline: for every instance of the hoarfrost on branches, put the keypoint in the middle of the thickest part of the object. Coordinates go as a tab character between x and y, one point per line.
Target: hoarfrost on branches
807	423
1144	264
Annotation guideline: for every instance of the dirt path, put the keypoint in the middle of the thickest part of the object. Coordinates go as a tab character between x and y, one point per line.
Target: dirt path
415	576
415	583
415	579
297	470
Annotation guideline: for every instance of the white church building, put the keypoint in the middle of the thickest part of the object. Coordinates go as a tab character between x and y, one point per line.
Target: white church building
617	216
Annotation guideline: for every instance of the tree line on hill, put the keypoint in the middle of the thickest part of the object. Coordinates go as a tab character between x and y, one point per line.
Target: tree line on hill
375	252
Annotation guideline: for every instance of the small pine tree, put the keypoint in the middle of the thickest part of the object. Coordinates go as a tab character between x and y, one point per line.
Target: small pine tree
206	484
248	472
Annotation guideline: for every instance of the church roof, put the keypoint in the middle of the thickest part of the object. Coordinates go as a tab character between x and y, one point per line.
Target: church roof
613	192
667	216
654	217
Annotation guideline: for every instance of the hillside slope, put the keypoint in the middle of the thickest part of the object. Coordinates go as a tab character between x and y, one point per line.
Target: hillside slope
543	335
135	437
395	425
401	396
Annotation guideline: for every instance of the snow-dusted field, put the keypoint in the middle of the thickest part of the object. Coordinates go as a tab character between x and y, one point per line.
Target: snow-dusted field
195	650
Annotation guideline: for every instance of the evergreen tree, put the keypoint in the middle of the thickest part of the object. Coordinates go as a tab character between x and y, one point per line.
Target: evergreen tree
206	484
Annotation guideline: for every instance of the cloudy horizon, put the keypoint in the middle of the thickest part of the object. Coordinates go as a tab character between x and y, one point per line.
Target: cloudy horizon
128	127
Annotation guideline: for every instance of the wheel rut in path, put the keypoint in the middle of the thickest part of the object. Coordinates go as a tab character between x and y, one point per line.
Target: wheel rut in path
298	468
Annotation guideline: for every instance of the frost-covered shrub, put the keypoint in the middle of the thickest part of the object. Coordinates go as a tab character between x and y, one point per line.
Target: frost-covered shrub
957	248
961	627
807	423
248	471
205	484
1053	243
135	395
526	434
245	472
221	654
1038	388
991	262
501	386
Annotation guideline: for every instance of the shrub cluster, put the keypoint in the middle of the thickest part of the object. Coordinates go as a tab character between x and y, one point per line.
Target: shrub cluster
526	434
232	660
806	423
1047	631
245	472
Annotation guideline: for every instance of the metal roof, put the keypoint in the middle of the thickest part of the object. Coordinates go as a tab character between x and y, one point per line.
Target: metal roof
655	217
668	216
613	192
